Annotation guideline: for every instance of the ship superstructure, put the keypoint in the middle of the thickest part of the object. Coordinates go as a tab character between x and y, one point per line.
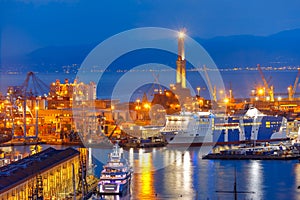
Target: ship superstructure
116	174
206	128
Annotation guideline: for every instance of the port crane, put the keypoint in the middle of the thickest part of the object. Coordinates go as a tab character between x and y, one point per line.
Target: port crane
211	89
292	89
32	87
269	89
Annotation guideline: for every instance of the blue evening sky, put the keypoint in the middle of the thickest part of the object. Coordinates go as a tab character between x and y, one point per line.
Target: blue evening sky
26	25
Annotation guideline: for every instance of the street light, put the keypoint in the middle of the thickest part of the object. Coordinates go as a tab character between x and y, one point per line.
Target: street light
137	108
112	108
37	119
138	104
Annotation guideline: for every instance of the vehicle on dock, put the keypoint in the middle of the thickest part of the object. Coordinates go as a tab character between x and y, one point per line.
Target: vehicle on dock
116	174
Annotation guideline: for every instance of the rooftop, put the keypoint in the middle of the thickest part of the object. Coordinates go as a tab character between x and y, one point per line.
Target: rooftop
18	172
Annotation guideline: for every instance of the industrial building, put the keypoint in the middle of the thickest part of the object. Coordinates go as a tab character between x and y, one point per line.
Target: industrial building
49	174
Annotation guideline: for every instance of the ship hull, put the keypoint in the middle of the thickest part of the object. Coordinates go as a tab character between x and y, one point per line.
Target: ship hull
231	131
183	142
113	188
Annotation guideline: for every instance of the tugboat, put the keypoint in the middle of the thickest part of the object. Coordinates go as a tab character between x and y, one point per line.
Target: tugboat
116	174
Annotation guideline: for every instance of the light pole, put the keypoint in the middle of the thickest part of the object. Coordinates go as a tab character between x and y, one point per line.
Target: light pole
137	108
37	119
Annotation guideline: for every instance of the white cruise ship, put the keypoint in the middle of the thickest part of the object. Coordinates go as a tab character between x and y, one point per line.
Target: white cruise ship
205	128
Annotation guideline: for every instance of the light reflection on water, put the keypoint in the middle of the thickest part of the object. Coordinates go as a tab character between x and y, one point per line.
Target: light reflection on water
187	176
143	178
296	171
255	178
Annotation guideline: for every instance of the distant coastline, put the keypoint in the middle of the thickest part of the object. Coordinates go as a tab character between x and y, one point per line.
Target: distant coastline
241	80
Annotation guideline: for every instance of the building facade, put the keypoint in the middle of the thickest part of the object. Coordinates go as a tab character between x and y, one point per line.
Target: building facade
50	174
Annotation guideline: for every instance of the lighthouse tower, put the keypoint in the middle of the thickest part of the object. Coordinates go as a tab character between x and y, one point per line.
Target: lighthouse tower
181	63
179	96
180	90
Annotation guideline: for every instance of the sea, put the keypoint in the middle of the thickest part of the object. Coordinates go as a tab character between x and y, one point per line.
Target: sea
171	173
130	84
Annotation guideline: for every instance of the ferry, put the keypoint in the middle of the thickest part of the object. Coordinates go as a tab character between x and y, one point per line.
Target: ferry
116	174
206	128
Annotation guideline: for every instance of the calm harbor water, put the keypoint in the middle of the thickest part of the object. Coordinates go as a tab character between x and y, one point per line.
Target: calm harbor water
187	176
241	82
164	173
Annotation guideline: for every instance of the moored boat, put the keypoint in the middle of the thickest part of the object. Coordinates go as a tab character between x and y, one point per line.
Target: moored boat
205	128
116	174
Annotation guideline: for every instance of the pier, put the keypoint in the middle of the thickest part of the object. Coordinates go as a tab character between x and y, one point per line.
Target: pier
272	152
251	157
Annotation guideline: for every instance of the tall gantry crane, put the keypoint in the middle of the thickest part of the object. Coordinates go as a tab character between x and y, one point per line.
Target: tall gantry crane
269	89
210	87
292	89
29	89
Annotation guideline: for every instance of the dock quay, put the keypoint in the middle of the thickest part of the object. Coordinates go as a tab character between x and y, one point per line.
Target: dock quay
143	145
95	144
269	152
23	142
250	157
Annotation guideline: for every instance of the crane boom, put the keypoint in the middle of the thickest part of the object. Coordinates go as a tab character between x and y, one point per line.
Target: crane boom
27	90
211	89
270	90
296	82
37	86
263	77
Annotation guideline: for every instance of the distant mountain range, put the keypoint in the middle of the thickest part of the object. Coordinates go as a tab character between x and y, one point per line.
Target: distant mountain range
281	49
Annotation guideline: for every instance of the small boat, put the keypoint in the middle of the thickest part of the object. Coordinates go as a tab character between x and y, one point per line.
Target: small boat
116	174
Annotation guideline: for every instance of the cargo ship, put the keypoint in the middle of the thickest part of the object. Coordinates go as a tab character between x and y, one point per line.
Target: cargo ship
198	128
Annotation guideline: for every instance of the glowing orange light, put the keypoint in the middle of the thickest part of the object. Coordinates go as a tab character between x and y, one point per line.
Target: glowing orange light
279	98
147	105
226	100
260	91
